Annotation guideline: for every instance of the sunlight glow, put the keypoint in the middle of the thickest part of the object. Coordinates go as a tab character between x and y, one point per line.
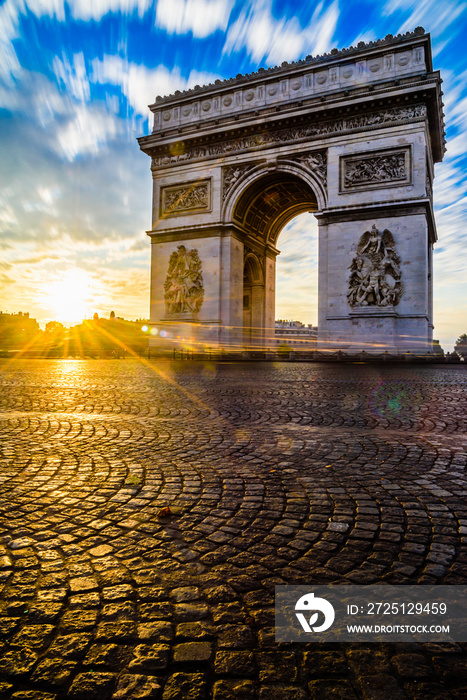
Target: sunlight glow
69	297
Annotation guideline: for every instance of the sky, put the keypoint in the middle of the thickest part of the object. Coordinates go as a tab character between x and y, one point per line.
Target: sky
75	190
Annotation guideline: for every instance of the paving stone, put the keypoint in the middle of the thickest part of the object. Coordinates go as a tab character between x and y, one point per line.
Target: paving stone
277	666
53	671
192	652
234	690
78	620
71	646
17	662
136	686
185	686
236	663
92	686
235	636
112	656
149	658
156	632
116	631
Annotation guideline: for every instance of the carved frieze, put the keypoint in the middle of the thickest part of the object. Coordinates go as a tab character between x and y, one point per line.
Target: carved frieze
375	169
185	199
183	288
316	129
375	275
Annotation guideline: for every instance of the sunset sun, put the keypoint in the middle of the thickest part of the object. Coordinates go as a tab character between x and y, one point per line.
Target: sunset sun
68	297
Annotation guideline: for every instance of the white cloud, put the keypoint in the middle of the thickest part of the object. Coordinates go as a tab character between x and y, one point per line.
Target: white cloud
85	10
202	17
139	84
423	12
267	38
73	77
9	65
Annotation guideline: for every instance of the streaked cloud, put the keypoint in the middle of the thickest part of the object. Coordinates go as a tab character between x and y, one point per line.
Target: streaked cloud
141	85
201	17
276	40
434	15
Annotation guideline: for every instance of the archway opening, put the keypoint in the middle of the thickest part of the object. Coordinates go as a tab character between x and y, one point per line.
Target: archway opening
296	317
273	204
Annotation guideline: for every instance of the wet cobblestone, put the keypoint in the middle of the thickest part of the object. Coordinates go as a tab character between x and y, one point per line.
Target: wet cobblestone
148	511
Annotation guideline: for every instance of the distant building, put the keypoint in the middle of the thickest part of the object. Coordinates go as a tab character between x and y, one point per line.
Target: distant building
296	334
17	330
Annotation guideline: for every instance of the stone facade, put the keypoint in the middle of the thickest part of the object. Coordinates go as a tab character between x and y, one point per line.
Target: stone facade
351	136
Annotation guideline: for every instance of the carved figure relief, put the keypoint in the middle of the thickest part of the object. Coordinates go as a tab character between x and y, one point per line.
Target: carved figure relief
375	169
231	175
293	134
183	288
188	198
317	163
375	275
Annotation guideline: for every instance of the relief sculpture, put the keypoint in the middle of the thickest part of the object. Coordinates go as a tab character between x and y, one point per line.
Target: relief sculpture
231	175
375	275
183	288
381	168
185	199
292	134
317	163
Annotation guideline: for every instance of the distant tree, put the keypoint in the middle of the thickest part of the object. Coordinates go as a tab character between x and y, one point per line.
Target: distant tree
54	327
461	346
95	317
112	315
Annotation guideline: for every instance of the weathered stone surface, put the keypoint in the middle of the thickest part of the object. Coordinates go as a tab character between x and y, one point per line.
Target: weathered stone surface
112	656
53	671
136	686
92	686
192	652
156	632
70	645
234	690
149	658
17	662
235	663
185	686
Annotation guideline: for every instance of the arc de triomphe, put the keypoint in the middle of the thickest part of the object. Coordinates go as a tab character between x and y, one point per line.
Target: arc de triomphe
351	136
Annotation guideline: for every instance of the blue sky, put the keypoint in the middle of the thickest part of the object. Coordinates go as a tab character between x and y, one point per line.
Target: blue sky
75	191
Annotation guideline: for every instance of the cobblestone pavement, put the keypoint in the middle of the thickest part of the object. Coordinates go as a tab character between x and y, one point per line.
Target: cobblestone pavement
272	474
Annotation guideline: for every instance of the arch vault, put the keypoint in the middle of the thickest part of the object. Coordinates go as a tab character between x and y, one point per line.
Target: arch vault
351	136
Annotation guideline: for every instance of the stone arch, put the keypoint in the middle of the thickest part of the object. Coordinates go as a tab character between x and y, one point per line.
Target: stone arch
351	136
256	175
